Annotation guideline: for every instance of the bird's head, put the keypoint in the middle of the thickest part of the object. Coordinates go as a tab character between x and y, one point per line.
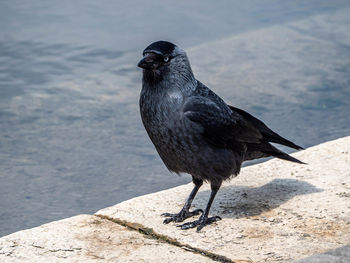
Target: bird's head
162	58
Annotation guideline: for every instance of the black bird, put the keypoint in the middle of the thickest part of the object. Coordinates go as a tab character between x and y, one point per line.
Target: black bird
194	130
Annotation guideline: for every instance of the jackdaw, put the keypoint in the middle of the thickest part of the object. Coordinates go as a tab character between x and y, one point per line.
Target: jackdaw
194	131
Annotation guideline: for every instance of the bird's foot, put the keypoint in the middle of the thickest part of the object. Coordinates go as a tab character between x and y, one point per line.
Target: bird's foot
181	216
201	222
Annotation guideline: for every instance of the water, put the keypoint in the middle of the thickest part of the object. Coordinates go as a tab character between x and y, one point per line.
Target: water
71	138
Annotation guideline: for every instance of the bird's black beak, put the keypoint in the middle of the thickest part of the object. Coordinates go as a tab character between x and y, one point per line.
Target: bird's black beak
149	61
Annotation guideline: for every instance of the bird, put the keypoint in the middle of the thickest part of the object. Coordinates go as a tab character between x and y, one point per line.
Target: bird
194	131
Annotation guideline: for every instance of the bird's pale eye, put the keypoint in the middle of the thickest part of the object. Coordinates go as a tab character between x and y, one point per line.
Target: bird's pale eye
166	59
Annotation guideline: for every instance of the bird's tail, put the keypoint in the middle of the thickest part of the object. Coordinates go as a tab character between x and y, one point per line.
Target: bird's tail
273	151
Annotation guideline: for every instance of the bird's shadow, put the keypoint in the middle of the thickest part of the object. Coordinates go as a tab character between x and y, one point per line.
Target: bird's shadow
241	201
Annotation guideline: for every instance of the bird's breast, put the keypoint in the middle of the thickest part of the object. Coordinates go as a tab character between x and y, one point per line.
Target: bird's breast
179	142
169	132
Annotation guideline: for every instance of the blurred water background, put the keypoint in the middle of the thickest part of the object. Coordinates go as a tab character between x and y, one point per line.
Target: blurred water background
71	139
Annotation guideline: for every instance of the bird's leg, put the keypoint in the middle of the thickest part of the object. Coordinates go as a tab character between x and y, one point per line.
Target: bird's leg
204	219
185	211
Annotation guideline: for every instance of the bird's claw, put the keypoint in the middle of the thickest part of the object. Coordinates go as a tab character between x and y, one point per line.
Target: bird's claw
180	217
201	222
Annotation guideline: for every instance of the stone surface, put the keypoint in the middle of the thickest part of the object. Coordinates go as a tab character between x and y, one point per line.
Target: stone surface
87	238
274	211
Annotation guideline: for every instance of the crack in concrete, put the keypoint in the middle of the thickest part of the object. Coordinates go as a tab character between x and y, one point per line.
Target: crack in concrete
58	249
149	232
64	250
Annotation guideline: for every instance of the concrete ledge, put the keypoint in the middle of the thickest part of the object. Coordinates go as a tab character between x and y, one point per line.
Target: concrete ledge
272	212
87	238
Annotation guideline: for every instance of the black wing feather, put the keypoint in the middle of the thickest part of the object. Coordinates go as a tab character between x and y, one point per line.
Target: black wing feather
268	134
221	127
225	126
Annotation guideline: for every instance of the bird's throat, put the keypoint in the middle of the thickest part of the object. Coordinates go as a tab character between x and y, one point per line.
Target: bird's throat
152	77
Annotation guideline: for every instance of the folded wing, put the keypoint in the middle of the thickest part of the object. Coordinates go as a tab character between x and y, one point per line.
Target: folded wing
225	126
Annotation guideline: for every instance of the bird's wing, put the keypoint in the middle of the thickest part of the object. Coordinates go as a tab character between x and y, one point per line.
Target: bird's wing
221	126
268	134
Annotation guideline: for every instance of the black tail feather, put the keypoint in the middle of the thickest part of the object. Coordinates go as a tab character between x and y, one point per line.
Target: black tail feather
270	150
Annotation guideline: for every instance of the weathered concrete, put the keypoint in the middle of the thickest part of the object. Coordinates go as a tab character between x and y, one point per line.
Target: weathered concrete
87	238
274	211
